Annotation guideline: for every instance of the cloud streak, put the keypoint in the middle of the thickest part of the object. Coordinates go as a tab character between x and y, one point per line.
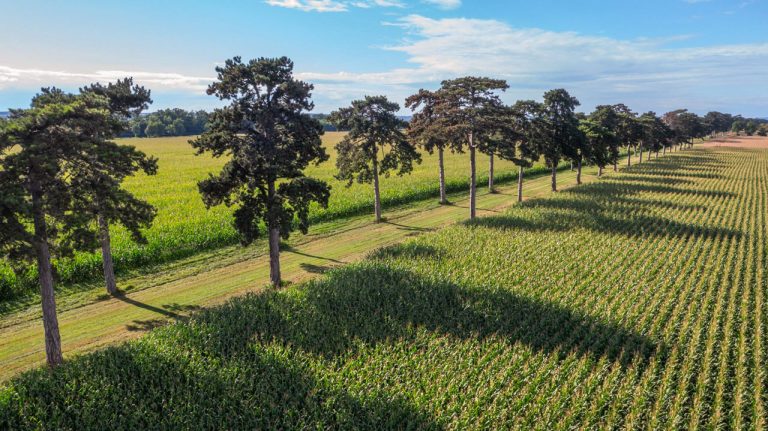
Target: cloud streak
40	77
533	60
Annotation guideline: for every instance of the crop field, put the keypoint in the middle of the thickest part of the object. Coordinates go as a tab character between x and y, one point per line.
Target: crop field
184	227
637	302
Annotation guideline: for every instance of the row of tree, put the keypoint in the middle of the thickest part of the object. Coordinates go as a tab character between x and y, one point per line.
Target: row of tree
61	172
168	122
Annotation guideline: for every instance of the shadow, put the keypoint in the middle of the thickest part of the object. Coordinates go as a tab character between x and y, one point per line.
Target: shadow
146	325
375	303
171	312
314	269
289	249
163	311
409	228
181	308
175	390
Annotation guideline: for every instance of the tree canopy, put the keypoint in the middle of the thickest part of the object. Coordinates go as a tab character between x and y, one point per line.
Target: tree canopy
270	139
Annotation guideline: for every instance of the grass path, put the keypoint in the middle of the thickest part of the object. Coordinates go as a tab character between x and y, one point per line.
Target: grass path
96	321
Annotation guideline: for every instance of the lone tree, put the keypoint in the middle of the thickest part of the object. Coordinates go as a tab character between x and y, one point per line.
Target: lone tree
270	139
561	128
111	163
472	113
520	140
372	127
43	150
426	129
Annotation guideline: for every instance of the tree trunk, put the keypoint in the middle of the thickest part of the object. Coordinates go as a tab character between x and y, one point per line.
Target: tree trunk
48	300
664	151
571	165
376	195
554	177
599	171
274	256
649	154
106	256
641	155
520	183
578	172
615	166
629	155
472	179
441	165
490	174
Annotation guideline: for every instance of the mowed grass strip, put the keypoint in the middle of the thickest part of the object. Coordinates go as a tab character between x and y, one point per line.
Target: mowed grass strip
632	302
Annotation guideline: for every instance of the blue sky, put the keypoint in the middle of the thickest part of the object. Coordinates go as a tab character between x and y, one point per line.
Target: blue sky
652	54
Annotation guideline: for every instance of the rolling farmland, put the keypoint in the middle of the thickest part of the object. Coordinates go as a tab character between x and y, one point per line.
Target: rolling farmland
637	301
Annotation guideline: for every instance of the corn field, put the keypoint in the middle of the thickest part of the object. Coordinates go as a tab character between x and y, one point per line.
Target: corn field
636	302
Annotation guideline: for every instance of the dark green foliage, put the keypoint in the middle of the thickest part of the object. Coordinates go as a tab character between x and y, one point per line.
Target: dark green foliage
101	179
168	122
427	127
656	133
524	133
561	127
55	146
600	130
373	127
270	139
471	111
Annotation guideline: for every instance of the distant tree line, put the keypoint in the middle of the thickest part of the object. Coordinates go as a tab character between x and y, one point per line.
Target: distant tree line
168	122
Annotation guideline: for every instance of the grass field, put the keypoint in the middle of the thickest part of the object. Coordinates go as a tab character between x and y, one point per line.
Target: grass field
635	302
184	227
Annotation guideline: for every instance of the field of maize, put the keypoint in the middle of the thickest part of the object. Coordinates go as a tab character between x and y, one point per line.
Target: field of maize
635	302
184	227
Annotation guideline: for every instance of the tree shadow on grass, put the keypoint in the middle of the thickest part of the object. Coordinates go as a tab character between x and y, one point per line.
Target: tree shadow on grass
373	302
138	386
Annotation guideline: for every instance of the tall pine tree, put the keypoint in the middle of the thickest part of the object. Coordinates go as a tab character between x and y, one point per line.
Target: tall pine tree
270	139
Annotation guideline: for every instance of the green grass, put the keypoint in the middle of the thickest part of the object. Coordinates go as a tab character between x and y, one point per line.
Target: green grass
634	302
184	227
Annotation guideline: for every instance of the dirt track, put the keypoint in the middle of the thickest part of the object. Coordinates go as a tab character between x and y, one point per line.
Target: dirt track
738	142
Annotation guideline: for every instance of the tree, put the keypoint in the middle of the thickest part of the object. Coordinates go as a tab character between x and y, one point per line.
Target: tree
155	128
372	127
42	150
686	126
472	114
521	138
604	142
269	139
629	131
656	134
426	130
561	129
601	141
102	177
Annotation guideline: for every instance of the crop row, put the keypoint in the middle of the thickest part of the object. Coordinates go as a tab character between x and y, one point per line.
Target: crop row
635	302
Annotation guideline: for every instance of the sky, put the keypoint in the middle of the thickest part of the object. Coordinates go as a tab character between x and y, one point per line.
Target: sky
655	55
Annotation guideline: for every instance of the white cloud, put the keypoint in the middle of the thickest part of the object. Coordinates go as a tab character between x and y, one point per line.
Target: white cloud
596	69
40	77
332	5
444	4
